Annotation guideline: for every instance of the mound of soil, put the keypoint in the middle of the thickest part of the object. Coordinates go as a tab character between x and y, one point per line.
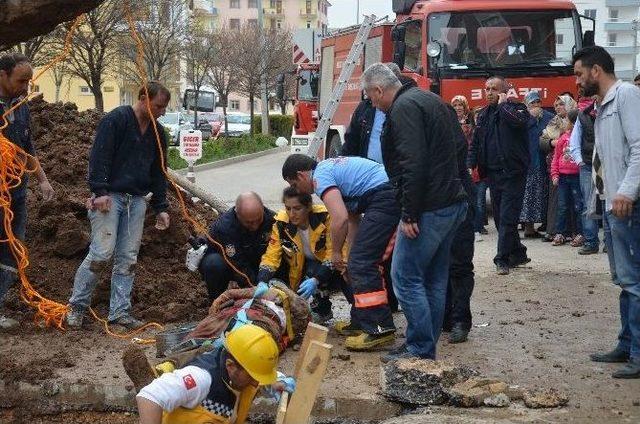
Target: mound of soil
58	231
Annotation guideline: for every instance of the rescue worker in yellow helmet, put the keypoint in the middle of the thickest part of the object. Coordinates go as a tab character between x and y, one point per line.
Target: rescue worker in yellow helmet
217	386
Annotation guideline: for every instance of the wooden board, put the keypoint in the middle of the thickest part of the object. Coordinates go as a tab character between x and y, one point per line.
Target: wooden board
308	381
314	332
282	408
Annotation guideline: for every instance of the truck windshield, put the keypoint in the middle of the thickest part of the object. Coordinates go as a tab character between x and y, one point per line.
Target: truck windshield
308	85
504	39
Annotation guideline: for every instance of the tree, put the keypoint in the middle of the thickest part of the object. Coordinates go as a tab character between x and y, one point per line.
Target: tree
223	75
253	58
94	50
38	49
198	54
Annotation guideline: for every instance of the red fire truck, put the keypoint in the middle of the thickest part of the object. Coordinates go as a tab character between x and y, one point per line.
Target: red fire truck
450	47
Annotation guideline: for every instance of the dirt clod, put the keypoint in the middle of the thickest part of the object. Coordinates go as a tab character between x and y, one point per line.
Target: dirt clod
545	398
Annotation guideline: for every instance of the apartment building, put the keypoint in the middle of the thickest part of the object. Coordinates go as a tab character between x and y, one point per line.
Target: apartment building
616	30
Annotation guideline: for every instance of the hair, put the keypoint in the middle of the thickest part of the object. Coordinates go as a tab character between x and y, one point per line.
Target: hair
380	75
9	61
637	78
568	93
503	80
572	115
394	68
463	100
296	163
245	196
305	199
595	55
154	88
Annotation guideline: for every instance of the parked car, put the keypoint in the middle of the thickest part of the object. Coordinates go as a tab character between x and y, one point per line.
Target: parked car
175	122
203	125
215	119
239	124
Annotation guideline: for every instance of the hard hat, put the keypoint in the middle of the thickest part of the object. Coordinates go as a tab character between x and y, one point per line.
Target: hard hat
255	350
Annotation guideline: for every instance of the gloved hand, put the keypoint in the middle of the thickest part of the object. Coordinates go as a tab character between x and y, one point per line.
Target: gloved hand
308	287
283	384
194	257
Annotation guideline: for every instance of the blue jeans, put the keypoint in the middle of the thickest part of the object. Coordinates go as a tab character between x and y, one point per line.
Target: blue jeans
608	242
589	226
480	206
625	237
116	234
420	273
8	271
569	202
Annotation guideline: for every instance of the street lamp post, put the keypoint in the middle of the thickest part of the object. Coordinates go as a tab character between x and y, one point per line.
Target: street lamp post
635	25
264	103
358	12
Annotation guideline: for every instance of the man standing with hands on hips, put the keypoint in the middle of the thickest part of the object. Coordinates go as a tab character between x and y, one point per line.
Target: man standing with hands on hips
125	173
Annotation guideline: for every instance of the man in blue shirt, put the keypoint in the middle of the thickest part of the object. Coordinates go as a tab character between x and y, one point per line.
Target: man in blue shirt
15	74
350	187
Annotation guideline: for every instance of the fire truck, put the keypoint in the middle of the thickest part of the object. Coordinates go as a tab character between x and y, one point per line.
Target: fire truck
448	47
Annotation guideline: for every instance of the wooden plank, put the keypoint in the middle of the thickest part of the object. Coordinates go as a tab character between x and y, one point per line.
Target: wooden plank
282	408
308	383
314	332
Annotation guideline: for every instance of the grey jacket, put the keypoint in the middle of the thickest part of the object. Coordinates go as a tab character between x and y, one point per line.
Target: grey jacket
617	131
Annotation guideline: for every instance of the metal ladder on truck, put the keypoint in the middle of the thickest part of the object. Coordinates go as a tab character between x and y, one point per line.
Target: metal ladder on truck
345	75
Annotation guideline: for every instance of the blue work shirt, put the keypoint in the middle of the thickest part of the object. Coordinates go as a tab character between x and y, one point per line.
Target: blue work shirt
19	133
353	176
374	151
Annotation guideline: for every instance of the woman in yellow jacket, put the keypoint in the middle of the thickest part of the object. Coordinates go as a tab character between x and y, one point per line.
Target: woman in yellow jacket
299	252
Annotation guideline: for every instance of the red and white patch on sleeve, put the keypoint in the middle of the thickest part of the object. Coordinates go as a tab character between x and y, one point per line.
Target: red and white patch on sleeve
189	382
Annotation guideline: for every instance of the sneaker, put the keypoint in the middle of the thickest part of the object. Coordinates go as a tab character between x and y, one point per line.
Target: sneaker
630	370
127	321
502	270
547	238
604	249
7	323
367	342
344	328
587	250
458	334
519	262
577	241
393	354
479	237
615	356
558	240
321	318
74	319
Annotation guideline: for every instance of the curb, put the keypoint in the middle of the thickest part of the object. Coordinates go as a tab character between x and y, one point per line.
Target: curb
99	397
232	160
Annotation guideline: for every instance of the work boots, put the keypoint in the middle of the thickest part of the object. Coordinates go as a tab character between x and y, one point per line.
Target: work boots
366	342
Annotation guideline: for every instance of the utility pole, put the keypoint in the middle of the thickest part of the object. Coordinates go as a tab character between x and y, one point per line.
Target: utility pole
264	103
358	12
635	26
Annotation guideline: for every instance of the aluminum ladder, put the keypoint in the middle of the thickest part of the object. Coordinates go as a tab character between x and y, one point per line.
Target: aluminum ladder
345	75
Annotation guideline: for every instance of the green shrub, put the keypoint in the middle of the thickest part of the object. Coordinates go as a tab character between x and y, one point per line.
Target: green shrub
224	148
279	125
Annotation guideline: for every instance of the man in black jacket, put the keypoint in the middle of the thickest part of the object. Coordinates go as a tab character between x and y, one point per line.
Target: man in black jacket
243	232
419	151
500	150
125	173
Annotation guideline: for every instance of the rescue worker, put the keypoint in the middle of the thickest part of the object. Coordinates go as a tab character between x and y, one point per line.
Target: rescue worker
243	233
15	74
350	187
217	386
126	174
299	252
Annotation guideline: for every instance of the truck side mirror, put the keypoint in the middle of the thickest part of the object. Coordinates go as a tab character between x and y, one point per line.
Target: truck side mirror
280	87
399	46
588	39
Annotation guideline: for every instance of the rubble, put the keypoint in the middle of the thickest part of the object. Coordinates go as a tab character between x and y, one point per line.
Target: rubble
545	398
476	391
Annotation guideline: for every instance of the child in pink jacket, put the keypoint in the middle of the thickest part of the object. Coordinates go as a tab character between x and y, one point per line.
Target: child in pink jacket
565	174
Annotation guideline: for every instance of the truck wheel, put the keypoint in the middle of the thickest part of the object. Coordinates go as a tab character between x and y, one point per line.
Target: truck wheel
335	146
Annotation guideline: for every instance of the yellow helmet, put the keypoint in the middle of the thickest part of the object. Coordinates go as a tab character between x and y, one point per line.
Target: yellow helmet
256	351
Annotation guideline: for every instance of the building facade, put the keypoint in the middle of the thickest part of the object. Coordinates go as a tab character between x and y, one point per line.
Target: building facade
616	30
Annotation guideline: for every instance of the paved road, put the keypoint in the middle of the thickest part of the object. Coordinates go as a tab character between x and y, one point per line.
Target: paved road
262	175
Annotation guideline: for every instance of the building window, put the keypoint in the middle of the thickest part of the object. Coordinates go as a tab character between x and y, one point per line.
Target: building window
559	39
590	13
279	24
234	4
234	104
85	91
614	14
273	4
308	24
612	39
253	22
36	88
308	6
253	4
234	23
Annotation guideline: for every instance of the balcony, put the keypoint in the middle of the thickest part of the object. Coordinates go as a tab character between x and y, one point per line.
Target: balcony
273	12
622	3
205	7
619	26
619	50
310	13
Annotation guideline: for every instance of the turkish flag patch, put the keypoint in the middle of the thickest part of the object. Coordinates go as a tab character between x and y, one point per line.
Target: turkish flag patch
189	382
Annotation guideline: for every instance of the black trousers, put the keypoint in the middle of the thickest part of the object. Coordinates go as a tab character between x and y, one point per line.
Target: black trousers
216	273
507	194
461	276
322	299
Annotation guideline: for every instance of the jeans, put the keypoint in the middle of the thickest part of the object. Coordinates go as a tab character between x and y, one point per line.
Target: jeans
461	277
480	206
420	271
569	202
116	234
8	271
608	242
507	195
625	237
589	226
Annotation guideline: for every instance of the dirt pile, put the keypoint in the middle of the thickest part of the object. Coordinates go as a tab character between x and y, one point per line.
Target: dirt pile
58	231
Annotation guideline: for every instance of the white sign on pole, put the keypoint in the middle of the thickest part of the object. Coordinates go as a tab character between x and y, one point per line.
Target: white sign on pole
191	145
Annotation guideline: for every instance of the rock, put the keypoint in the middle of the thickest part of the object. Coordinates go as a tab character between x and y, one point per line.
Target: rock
498	401
545	398
421	381
475	391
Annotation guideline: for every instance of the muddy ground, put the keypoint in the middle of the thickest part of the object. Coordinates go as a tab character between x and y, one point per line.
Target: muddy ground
533	328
